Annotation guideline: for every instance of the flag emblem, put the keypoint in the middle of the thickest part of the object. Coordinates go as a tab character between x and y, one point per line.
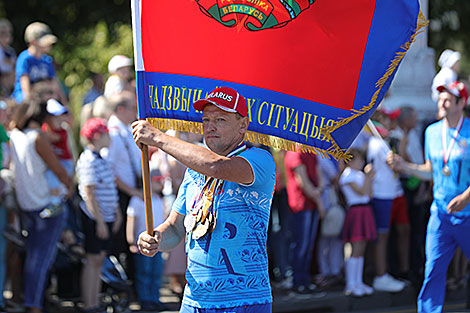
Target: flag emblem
254	15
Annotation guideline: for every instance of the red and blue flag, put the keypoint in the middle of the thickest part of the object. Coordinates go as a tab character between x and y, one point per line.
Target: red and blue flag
312	71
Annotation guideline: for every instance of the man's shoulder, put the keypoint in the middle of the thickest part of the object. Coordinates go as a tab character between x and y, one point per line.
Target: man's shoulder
87	157
255	153
258	151
433	127
23	56
291	158
466	125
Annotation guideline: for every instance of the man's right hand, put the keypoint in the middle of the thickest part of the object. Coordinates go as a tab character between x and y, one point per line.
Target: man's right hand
144	133
148	245
395	161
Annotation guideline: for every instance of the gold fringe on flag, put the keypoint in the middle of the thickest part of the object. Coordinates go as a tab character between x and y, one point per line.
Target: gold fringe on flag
420	24
267	140
334	150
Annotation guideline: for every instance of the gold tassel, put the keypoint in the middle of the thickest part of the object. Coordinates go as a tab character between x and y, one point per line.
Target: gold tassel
267	140
327	130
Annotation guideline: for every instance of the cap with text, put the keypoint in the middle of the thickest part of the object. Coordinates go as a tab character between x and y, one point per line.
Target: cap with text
226	99
456	88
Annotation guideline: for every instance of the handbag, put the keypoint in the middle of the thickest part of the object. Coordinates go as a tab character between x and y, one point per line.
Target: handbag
137	177
332	223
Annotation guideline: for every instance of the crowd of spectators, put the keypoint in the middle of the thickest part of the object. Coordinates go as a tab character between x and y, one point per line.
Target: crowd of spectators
333	225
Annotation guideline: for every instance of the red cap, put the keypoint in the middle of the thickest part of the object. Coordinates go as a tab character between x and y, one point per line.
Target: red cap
94	126
456	88
392	114
224	98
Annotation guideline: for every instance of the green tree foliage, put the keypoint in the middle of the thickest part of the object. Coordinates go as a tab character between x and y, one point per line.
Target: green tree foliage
450	28
90	32
94	48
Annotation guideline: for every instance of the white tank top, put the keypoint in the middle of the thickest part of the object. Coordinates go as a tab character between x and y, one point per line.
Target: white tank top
32	190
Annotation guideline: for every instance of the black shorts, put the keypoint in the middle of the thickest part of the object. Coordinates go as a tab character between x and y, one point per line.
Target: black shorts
93	244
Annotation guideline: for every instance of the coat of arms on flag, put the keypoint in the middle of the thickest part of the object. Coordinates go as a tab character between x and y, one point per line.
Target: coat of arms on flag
312	72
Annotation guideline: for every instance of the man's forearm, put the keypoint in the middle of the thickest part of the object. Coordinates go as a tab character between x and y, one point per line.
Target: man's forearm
171	236
421	171
193	156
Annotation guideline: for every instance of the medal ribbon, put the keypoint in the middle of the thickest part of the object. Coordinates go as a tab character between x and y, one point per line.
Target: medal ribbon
446	153
205	200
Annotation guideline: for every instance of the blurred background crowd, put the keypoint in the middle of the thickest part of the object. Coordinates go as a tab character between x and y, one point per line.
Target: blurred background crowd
65	126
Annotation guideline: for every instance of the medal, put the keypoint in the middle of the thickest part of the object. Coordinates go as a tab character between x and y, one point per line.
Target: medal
447	151
189	222
202	218
446	171
200	230
212	222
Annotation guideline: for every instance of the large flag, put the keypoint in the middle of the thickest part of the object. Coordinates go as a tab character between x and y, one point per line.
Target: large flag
312	71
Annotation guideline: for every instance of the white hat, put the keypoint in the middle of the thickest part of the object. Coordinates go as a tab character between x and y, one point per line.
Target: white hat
55	108
41	33
448	58
117	62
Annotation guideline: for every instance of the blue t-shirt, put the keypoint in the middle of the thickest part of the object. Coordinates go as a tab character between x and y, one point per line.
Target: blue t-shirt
447	187
229	267
36	69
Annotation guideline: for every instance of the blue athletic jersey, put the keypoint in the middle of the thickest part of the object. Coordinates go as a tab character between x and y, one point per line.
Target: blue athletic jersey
229	267
35	69
447	187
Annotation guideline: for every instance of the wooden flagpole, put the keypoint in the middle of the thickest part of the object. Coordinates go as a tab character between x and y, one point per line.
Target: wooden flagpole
376	133
146	189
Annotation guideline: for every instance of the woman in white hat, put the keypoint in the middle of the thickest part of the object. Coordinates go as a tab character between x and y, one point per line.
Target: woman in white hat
120	70
449	61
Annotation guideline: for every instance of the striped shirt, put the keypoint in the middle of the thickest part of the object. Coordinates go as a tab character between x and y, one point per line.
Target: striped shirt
93	170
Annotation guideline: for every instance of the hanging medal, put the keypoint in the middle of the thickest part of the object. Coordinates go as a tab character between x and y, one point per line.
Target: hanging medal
446	151
202	217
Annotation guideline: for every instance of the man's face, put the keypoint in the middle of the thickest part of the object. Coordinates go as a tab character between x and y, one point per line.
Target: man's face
128	112
223	131
124	73
412	120
6	36
447	105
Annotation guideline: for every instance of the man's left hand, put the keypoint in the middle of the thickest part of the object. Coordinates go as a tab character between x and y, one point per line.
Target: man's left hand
458	203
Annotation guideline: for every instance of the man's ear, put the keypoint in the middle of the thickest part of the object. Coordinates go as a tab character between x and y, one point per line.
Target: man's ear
461	103
244	125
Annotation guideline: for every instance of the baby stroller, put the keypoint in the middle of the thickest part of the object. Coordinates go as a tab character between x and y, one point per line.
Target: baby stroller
117	287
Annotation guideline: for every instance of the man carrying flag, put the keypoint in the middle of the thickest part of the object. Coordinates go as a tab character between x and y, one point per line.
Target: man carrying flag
447	164
222	208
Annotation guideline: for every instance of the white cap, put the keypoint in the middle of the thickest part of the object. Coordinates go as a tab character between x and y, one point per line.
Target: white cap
55	108
117	62
448	58
41	33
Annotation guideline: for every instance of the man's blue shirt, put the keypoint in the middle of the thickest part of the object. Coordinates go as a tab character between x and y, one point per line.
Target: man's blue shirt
229	267
448	187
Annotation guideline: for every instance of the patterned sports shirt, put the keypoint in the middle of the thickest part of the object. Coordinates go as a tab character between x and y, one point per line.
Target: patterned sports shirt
229	267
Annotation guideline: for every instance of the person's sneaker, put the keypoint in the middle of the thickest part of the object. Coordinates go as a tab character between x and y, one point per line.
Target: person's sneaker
302	290
307	291
388	284
355	291
367	290
284	284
